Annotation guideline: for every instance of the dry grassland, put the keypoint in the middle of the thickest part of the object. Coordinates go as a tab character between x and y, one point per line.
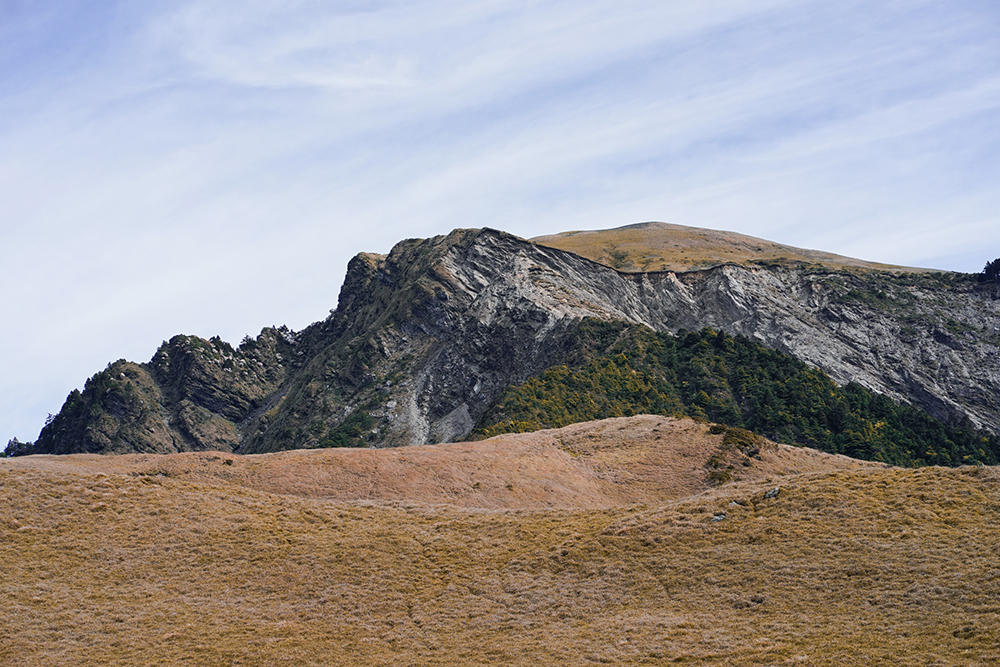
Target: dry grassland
122	564
627	460
660	246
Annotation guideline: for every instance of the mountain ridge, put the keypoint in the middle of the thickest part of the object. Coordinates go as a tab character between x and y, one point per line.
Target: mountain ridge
424	339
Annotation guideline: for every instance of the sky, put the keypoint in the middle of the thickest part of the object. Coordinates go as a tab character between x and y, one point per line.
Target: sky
209	167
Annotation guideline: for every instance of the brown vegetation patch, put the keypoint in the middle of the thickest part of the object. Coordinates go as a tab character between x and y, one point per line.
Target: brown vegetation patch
628	460
660	246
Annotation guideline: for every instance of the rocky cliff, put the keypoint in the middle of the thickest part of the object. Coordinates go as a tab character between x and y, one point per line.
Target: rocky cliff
424	340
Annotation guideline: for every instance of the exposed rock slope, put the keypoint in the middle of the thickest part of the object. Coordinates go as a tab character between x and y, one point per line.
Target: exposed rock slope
190	396
426	338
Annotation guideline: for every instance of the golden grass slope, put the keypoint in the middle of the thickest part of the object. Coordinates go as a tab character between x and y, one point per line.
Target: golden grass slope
848	564
661	246
627	460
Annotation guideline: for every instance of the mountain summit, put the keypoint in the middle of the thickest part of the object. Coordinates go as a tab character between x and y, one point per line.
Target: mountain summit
661	246
425	340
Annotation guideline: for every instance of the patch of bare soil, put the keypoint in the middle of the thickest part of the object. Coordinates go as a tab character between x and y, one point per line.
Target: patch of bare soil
628	460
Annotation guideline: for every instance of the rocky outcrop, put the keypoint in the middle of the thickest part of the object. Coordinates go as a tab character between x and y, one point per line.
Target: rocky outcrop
190	397
425	339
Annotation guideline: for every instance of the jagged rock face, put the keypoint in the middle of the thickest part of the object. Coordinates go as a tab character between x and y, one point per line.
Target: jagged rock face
923	339
190	397
431	335
424	340
118	411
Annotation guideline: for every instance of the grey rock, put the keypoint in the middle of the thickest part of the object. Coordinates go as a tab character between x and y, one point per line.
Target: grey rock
512	301
427	338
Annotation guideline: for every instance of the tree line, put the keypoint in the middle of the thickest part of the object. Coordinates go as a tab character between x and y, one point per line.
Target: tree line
617	370
990	272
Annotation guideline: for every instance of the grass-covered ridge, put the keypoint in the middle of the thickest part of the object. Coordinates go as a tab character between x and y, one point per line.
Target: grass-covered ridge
659	246
618	369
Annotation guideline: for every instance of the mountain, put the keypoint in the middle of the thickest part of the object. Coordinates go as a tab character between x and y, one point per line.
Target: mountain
425	341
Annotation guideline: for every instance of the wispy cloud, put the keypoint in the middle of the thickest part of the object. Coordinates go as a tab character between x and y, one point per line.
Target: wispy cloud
210	166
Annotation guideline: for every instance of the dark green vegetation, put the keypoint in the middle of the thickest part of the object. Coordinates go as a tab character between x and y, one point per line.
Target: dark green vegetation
350	433
990	272
617	369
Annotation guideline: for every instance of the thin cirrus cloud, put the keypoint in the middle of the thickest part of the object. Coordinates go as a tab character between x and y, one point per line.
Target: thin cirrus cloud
209	167
429	46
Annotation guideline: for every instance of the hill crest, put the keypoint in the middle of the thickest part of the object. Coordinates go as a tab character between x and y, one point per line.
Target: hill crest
883	565
662	246
644	459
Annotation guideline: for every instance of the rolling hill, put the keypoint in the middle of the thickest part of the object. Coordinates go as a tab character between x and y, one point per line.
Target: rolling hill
388	557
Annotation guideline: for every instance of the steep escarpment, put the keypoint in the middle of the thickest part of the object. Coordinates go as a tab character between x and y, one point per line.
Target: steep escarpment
490	309
928	340
423	342
621	369
426	339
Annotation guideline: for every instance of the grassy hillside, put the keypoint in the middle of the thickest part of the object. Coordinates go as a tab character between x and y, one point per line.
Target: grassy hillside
660	246
642	459
848	566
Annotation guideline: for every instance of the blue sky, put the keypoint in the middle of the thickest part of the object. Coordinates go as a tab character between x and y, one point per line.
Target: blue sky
209	167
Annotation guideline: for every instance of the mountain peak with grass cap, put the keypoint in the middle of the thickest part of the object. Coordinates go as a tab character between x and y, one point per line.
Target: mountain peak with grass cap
426	339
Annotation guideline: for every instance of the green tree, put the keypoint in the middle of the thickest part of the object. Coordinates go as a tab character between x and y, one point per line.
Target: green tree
991	271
